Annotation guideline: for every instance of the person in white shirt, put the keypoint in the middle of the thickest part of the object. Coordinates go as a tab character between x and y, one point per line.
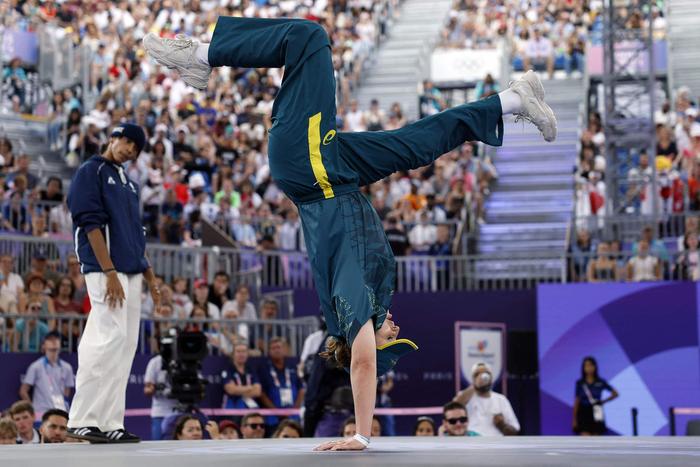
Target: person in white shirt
355	118
155	384
539	53
643	266
11	284
289	234
490	413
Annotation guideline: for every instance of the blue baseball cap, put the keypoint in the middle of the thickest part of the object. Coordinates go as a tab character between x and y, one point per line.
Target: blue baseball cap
133	132
389	353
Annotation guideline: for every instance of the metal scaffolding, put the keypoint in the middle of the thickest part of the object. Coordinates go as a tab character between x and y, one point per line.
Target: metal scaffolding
629	98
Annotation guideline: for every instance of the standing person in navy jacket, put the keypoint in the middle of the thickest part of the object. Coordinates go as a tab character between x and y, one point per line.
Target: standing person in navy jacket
110	244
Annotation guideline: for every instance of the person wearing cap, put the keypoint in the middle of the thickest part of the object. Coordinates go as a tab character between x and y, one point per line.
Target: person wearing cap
110	245
322	170
489	413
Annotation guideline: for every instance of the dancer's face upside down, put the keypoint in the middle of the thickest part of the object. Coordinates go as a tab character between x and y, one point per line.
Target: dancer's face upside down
388	332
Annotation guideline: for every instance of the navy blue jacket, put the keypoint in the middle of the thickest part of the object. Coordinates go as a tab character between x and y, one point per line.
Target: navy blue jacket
101	198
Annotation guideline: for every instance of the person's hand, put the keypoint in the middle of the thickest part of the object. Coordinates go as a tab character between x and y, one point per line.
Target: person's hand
155	294
348	444
213	429
115	294
498	420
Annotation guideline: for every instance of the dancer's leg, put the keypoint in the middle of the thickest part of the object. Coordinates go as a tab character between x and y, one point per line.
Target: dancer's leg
302	146
376	155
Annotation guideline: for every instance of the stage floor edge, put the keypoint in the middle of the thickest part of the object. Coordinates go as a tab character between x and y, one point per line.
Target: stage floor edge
399	451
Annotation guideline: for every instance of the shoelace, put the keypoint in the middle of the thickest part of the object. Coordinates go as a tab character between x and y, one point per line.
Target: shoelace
180	42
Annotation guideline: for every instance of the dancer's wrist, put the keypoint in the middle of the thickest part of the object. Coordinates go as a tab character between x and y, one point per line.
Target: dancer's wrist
362	439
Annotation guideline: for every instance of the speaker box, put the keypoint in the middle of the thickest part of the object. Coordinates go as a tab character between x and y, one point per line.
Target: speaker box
522	353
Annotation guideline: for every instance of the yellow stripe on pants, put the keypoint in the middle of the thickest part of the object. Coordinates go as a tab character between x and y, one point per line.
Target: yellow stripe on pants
315	156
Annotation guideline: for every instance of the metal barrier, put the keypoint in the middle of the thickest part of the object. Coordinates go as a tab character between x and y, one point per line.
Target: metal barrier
629	228
418	273
673	411
256	332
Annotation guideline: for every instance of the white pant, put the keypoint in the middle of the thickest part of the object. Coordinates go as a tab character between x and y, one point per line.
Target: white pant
105	355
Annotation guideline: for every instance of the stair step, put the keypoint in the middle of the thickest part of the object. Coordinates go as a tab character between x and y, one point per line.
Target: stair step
521	245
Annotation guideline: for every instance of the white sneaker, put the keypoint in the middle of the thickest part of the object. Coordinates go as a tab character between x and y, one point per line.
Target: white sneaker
535	109
179	53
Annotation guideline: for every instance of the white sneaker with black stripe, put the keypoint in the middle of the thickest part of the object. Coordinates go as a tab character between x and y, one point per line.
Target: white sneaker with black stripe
121	436
88	433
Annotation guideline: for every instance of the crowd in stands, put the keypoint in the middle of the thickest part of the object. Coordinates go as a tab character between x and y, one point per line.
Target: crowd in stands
206	157
41	414
545	35
666	248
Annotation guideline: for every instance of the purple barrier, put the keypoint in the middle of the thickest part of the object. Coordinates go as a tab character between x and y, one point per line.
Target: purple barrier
644	337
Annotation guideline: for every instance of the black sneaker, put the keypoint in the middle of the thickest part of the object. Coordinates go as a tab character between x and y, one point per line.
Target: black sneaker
88	433
121	436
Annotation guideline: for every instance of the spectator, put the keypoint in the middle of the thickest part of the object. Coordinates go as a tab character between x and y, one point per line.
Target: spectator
490	412
354	118
289	234
156	385
77	278
8	431
241	384
486	87
241	303
219	292
687	265
11	283
36	293
171	222
589	418
188	428
431	101
288	429
253	426
423	234
23	170
602	268
15	215
228	430
375	117
22	414
182	303
691	226
580	253
53	194
455	421
40	267
50	379
280	382
54	426
425	426
64	293
201	295
60	220
539	53
643	266
349	427
398	240
269	310
29	330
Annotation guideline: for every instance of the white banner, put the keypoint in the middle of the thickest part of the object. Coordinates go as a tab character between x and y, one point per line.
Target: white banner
480	342
468	65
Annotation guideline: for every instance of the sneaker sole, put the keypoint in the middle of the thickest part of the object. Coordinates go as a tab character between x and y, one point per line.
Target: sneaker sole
91	439
535	83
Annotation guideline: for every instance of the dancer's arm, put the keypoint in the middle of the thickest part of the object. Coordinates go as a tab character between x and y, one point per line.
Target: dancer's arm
363	377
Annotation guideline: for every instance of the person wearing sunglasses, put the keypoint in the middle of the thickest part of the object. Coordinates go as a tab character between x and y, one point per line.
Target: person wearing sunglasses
455	421
253	426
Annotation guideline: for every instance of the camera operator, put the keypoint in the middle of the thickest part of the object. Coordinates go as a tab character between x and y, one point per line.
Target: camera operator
490	413
156	384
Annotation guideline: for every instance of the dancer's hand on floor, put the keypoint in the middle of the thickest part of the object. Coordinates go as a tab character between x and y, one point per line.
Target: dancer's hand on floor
349	444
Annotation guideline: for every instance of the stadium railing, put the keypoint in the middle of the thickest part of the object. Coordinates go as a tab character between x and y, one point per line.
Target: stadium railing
71	326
